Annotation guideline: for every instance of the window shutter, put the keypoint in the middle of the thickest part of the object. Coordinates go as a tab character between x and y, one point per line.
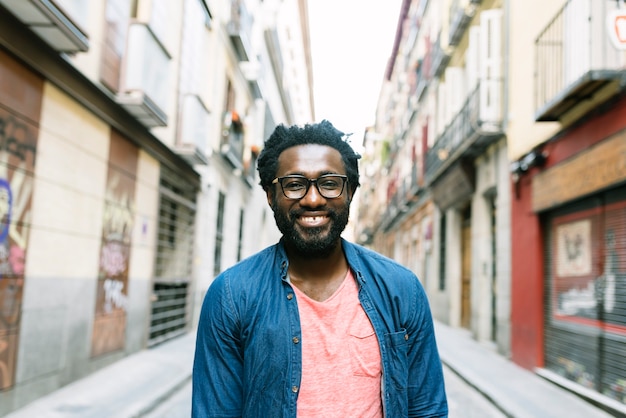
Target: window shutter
456	90
471	58
490	65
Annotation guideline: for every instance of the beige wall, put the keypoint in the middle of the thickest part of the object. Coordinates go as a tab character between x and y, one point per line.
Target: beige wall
70	175
526	20
146	219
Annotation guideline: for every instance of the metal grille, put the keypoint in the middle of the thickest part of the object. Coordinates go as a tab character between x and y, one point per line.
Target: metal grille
174	258
585	288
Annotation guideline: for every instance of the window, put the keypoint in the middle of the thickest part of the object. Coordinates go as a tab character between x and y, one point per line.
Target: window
174	257
117	16
231	145
177	210
194	62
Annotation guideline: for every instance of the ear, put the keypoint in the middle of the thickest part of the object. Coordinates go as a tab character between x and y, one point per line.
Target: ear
351	192
270	198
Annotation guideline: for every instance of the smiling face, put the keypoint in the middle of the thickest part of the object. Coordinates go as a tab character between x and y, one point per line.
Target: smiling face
311	226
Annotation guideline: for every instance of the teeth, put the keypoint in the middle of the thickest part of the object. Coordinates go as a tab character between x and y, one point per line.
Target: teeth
312	219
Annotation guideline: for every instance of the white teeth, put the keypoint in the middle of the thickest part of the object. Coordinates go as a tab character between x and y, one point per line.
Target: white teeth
312	219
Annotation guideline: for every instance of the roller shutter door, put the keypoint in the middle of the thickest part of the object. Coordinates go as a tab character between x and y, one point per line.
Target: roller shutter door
585	292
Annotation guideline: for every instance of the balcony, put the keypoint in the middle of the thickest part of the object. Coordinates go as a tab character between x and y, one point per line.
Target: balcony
461	14
194	126
50	22
249	167
232	140
239	28
440	59
423	76
145	82
476	126
405	195
576	60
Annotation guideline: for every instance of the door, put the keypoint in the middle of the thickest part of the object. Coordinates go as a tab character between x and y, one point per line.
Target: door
466	272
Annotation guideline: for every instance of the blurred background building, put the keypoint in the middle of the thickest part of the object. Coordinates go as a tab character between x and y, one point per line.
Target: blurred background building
497	172
129	132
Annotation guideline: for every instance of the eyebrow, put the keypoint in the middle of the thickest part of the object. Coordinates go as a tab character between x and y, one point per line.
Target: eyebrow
322	173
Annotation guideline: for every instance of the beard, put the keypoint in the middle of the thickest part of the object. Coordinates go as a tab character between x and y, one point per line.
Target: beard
313	242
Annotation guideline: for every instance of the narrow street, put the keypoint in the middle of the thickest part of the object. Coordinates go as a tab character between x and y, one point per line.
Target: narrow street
466	402
157	384
176	406
463	401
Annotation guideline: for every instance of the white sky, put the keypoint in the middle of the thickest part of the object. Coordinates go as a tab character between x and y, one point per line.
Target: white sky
351	42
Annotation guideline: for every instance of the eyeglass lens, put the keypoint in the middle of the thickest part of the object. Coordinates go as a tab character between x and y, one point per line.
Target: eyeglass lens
296	187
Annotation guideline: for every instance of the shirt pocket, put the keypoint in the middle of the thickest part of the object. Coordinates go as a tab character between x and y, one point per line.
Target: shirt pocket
364	349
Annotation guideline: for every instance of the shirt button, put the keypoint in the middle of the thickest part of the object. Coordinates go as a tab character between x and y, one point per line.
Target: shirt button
294	389
289	296
284	264
406	337
295	340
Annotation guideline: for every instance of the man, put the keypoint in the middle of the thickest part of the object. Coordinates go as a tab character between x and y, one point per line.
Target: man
315	326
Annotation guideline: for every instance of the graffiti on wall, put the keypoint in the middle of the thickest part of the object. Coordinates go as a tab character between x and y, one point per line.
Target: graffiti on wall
119	213
17	159
590	268
20	109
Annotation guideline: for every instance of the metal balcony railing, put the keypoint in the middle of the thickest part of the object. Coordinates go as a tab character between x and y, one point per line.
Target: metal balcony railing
575	57
461	14
440	58
232	140
469	132
407	191
423	75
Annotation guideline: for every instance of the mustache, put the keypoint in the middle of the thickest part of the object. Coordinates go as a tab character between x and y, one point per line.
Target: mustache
299	212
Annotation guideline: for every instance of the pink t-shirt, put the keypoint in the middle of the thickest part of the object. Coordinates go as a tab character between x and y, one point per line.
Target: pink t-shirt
341	364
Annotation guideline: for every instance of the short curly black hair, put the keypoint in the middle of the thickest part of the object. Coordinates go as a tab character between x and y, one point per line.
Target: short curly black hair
323	133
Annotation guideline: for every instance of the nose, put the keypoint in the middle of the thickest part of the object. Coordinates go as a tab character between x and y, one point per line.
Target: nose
312	198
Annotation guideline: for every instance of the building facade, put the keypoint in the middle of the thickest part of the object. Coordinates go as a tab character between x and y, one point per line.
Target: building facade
129	131
569	205
497	175
443	186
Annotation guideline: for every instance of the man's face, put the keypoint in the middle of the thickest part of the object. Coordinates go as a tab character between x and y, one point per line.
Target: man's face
312	225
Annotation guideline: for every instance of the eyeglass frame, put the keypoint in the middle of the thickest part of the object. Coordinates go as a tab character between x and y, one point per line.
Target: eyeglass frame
279	180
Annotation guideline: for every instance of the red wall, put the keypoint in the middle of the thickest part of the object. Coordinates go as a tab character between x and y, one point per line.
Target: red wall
527	277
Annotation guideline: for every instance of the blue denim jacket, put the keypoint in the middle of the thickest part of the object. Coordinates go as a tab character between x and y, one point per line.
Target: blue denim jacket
248	357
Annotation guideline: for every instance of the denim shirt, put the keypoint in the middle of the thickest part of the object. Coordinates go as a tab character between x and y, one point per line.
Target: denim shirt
248	350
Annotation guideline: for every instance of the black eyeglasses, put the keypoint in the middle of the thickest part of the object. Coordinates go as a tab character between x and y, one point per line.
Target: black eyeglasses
330	186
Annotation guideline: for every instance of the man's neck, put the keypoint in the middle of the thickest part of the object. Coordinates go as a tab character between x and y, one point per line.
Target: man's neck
318	277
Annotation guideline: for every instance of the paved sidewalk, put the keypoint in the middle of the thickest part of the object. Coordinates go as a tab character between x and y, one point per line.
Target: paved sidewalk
516	391
135	385
128	388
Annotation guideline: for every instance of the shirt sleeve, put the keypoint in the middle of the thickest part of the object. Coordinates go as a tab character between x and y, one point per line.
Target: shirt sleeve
426	389
218	361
